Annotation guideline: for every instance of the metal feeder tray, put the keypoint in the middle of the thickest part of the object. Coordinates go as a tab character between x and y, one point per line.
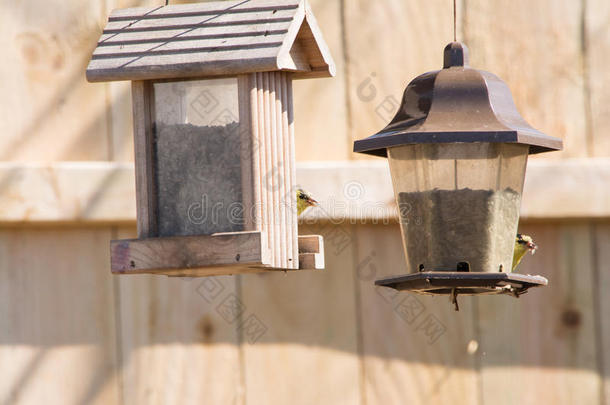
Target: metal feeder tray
454	283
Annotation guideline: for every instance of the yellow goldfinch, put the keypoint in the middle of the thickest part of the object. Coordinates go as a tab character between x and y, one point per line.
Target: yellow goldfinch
523	244
304	201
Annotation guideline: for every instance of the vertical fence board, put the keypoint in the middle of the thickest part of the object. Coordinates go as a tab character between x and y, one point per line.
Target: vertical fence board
602	259
320	103
304	351
57	327
179	339
535	47
49	111
597	48
388	44
415	348
544	343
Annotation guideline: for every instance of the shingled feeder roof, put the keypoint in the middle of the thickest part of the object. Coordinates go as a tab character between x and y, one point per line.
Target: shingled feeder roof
207	39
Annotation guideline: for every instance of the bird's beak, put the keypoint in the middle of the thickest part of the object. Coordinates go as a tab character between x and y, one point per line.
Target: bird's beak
532	247
312	202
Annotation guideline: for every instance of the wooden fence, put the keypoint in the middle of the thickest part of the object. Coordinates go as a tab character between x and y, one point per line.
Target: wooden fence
70	333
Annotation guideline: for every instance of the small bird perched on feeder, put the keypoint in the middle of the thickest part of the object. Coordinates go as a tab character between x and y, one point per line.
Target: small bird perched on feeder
304	201
523	244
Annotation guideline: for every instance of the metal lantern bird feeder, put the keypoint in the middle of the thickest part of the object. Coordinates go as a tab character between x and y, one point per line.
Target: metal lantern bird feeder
214	133
457	151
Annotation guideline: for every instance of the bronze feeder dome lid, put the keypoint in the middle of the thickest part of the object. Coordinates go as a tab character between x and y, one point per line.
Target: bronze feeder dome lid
452	106
457	104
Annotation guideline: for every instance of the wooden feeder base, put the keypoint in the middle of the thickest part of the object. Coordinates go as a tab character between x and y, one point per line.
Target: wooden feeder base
463	283
207	255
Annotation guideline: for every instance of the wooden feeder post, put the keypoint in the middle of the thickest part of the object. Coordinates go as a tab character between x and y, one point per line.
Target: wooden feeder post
214	133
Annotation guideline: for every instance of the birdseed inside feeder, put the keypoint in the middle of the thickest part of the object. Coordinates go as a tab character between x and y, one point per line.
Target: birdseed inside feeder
214	133
457	150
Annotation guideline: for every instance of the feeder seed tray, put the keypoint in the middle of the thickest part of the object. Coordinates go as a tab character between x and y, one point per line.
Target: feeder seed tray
452	282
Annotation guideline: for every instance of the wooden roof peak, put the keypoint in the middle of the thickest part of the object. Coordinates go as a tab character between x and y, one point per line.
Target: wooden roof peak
209	39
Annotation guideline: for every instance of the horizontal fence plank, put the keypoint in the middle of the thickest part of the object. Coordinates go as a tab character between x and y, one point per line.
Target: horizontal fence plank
104	192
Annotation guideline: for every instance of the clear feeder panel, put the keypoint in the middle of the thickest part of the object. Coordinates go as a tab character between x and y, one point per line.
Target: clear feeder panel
197	156
458	203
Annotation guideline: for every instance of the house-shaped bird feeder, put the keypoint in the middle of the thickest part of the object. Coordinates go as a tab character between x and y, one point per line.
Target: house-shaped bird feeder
214	133
457	151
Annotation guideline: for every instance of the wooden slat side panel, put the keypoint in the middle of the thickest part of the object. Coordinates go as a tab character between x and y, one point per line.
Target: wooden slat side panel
545	342
273	226
263	159
415	349
290	150
172	326
57	317
288	126
274	173
142	99
309	345
282	191
292	159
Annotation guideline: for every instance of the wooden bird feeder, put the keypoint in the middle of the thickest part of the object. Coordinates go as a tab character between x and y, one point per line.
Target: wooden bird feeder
457	150
214	133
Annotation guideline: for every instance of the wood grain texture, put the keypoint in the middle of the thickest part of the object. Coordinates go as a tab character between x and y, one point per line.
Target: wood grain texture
414	348
274	175
246	44
597	53
546	38
262	149
545	342
388	45
268	174
103	192
57	329
257	162
309	348
120	116
248	135
311	252
320	105
601	242
280	186
48	110
289	151
178	339
199	254
146	198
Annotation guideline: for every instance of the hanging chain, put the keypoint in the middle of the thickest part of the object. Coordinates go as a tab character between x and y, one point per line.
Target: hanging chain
454	22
